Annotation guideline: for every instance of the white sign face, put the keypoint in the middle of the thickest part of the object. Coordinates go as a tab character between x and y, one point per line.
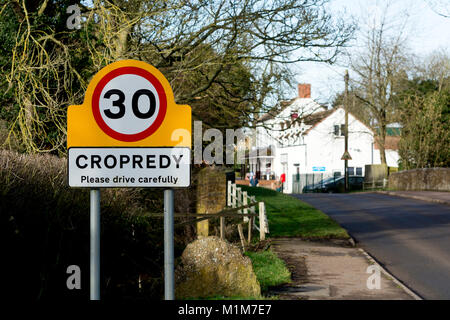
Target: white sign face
129	104
129	167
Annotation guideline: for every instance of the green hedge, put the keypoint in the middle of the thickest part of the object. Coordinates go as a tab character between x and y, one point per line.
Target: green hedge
44	228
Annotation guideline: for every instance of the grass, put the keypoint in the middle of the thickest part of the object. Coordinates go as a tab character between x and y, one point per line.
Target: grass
290	217
269	269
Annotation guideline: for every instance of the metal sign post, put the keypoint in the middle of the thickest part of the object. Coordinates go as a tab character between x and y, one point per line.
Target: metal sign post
168	246
95	245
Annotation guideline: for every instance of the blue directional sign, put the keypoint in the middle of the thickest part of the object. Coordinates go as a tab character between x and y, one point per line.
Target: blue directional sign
318	168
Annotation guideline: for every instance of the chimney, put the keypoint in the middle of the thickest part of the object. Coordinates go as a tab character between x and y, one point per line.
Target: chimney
304	90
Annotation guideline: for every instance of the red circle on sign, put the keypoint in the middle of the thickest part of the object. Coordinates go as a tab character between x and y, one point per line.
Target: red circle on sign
136	136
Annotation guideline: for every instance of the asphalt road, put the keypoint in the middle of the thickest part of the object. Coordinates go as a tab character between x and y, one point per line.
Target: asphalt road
410	238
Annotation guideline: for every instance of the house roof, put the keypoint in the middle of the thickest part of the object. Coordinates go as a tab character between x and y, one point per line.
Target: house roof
297	102
272	113
315	118
390	143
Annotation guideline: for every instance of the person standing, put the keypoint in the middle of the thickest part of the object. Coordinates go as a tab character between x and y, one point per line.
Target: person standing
254	181
283	180
278	185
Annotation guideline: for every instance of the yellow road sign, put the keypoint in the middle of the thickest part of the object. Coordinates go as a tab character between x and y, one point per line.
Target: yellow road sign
129	132
129	103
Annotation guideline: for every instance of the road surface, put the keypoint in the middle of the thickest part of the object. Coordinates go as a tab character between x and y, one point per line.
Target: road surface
410	238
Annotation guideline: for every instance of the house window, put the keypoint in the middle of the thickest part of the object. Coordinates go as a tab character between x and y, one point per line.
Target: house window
342	129
339	130
359	171
336	130
351	171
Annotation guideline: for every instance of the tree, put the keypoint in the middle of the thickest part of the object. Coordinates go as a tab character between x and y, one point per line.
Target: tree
379	69
441	7
425	140
355	106
424	102
214	53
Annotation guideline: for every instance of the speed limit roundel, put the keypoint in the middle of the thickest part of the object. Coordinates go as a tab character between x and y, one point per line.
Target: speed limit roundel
129	104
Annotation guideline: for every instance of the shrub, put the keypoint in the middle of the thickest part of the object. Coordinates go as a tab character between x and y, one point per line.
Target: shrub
44	228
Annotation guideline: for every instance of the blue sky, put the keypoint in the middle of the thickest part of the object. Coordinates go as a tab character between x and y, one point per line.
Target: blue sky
426	32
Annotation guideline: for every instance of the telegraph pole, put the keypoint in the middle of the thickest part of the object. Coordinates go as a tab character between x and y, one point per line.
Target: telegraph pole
346	129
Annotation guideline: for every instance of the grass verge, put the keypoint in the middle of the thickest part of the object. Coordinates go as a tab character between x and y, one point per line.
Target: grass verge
269	269
290	217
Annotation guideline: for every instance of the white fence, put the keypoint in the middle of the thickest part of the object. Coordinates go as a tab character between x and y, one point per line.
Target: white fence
238	198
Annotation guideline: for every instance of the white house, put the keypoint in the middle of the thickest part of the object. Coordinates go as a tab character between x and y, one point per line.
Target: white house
302	137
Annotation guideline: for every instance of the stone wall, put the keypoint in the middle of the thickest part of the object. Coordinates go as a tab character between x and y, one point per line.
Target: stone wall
211	195
433	179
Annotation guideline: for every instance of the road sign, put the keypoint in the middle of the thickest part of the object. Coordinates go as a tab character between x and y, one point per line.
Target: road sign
124	127
129	104
346	156
318	168
129	167
129	133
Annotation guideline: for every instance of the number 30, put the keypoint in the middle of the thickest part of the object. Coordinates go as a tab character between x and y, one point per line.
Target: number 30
134	104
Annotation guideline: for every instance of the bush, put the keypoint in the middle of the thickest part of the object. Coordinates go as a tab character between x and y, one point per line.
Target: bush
44	228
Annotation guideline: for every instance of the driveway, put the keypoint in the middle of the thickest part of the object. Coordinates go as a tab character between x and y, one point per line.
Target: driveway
410	238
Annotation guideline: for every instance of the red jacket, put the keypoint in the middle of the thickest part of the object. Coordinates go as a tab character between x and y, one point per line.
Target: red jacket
283	177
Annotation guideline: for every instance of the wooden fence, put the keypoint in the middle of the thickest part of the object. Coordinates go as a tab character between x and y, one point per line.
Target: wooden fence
239	205
236	198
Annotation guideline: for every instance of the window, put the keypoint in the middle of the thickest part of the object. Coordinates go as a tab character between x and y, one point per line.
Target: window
339	130
351	171
359	171
336	174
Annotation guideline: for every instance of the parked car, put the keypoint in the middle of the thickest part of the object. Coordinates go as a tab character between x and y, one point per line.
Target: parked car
336	185
317	187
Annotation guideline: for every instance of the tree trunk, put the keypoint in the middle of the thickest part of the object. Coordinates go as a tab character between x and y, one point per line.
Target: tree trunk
122	43
381	144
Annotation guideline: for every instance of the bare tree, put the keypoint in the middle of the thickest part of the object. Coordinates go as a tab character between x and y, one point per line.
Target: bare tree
197	44
441	7
379	68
